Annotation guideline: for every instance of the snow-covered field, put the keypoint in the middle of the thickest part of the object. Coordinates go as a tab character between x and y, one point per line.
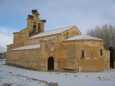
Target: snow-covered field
2	61
24	77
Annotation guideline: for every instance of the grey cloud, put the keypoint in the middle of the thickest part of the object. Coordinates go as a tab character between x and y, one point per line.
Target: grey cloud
68	11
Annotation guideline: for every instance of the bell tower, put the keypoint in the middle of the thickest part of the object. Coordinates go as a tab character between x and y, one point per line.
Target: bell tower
35	23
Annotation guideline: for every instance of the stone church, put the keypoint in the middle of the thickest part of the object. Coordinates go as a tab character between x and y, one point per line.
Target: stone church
62	49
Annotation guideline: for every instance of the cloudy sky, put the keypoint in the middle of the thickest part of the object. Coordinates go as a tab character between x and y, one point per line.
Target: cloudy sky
85	14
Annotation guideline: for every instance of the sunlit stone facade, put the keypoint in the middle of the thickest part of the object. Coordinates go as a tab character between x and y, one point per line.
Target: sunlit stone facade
63	49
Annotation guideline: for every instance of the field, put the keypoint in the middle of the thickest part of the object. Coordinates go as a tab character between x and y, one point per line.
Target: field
13	76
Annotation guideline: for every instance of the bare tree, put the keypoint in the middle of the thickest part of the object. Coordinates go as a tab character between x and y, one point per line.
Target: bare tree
105	32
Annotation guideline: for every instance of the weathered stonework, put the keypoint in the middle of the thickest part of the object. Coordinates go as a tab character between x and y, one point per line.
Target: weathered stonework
58	50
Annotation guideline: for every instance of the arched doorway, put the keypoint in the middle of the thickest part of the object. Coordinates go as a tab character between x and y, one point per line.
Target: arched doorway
50	64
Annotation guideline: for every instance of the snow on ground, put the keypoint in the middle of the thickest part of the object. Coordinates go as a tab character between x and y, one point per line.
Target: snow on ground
106	78
2	61
10	79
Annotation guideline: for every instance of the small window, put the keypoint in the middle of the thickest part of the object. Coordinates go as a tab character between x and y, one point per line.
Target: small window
101	52
34	26
39	27
82	54
34	29
67	35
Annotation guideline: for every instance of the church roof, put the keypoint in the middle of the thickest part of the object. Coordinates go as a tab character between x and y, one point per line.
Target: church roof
83	37
28	47
55	31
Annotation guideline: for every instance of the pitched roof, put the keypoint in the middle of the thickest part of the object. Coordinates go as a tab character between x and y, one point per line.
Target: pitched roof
28	47
55	31
83	37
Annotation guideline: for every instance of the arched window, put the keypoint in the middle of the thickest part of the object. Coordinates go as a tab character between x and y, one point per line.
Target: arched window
34	26
33	30
66	35
82	54
39	27
101	52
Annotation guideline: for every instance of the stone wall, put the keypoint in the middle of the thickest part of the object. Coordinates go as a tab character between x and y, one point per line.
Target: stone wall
26	58
92	60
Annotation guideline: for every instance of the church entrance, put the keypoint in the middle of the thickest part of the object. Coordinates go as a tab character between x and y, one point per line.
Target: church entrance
112	57
50	64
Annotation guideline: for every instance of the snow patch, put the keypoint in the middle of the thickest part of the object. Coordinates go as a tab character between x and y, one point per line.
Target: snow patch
56	31
28	47
83	37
